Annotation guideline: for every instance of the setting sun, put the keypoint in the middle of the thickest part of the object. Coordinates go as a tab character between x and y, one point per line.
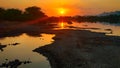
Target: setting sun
62	11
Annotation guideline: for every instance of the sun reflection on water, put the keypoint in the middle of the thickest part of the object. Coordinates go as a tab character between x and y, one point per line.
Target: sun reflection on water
62	24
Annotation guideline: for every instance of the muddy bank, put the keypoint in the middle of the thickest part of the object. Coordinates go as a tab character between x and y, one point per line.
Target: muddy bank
82	49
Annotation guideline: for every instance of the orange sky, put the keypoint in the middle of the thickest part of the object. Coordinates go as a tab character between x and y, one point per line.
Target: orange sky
73	7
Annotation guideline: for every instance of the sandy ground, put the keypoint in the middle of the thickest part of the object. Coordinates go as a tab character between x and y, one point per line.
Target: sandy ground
73	48
82	49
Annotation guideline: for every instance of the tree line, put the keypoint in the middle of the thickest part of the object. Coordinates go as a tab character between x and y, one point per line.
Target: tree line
13	14
108	18
35	12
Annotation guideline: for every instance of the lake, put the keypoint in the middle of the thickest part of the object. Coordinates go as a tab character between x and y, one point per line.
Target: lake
109	29
23	50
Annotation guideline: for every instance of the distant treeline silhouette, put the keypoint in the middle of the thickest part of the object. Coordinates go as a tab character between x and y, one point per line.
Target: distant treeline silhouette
35	12
108	18
12	14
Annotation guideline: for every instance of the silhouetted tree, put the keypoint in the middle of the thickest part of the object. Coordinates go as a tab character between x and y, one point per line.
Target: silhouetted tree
108	18
12	14
2	10
34	12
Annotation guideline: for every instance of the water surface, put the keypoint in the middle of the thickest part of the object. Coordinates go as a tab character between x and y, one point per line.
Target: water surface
23	51
109	29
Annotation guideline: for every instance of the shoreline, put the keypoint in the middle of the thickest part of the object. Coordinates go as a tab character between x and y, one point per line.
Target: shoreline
82	49
73	48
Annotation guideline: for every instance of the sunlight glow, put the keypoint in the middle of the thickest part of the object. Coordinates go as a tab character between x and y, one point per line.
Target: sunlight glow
62	25
62	11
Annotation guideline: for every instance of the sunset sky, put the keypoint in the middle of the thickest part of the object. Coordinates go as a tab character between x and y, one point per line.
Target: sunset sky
71	7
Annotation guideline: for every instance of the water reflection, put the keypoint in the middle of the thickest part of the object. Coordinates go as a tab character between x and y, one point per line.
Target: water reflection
13	64
18	43
108	29
2	47
62	25
23	51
